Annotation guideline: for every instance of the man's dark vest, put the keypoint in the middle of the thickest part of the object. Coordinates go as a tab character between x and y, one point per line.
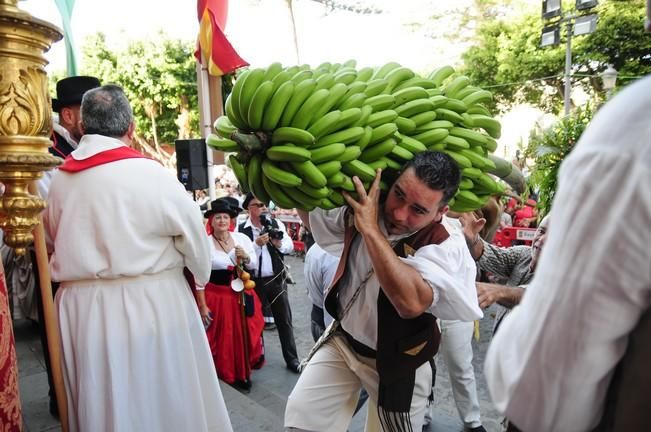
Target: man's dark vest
628	401
276	257
402	344
60	147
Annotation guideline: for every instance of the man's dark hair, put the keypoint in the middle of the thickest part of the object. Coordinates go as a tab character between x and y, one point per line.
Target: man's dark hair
438	171
106	111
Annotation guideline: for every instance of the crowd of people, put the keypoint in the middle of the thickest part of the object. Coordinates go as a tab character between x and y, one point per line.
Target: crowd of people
157	299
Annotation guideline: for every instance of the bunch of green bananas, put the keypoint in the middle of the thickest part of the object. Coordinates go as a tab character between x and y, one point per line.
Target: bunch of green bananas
300	134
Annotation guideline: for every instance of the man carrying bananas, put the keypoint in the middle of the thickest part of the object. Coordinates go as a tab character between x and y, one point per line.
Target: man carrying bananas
403	264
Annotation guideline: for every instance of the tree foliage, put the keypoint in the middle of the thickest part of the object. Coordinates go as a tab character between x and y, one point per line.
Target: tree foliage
159	78
507	57
549	148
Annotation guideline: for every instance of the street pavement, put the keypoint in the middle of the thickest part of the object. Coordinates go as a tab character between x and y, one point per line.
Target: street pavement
262	409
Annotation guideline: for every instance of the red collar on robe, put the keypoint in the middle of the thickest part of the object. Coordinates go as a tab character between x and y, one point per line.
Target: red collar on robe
72	165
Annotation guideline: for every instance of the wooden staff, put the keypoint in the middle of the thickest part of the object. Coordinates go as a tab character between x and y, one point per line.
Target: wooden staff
51	322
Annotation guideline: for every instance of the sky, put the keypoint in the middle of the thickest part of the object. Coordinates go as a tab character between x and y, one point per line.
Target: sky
261	32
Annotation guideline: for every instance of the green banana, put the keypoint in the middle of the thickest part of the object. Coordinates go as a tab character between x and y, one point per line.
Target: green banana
337	197
254	176
345	136
317	193
473	137
327	204
462	161
325	81
383	132
326	124
349	117
311	173
354	101
224	127
479	96
365	74
304	199
223	144
302	91
479	109
391	164
402	153
359	169
365	139
415	82
276	106
330	168
381	117
335	94
457	84
439	101
375	87
436	124
411	144
380	102
240	172
279	175
346	77
271	71
378	164
455	143
405	124
336	179
366	112
302	76
288	153
489	124
414	107
449	115
384	70
432	136
293	135
423	118
251	83
409	94
467	91
466	183
455	105
302	118
233	116
355	87
280	79
378	150
351	153
396	77
278	195
476	160
437	76
328	153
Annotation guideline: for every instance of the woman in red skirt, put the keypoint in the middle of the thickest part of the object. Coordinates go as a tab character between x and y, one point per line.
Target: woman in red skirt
231	313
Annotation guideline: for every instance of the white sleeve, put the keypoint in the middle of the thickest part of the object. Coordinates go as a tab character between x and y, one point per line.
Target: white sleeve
328	227
451	274
245	242
287	245
550	363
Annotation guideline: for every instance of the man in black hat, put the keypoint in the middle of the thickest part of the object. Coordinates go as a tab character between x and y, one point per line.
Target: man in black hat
271	242
67	133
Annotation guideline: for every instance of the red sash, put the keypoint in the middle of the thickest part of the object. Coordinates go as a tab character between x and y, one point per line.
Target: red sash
73	165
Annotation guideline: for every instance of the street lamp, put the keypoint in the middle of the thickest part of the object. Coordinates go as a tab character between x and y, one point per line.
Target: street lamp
609	79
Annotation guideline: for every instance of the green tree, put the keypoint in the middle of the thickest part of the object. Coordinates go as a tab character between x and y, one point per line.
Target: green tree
507	57
159	78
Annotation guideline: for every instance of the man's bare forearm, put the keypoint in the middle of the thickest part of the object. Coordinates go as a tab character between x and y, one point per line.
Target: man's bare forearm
401	283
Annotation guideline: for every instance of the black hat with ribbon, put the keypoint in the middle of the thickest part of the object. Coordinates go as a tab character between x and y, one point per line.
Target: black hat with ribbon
70	91
221	205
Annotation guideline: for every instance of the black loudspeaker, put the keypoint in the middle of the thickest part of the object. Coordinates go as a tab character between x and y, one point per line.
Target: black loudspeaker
192	163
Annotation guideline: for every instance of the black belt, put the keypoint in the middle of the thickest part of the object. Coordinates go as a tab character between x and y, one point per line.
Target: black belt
358	347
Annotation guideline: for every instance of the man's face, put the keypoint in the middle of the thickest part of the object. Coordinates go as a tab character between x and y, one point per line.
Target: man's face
70	118
411	205
541	230
536	249
256	208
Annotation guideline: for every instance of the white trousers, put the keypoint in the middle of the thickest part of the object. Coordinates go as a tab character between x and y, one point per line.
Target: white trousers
456	350
326	393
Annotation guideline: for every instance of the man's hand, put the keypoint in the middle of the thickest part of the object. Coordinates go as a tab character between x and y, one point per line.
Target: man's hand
262	240
366	209
472	225
487	294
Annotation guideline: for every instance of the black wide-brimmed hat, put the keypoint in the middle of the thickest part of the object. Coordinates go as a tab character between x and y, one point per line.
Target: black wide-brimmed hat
221	205
234	203
70	91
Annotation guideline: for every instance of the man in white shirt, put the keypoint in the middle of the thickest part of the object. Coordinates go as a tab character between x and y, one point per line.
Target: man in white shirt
575	354
271	242
403	264
319	270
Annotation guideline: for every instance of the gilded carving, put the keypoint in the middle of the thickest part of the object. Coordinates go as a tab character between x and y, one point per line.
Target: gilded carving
22	104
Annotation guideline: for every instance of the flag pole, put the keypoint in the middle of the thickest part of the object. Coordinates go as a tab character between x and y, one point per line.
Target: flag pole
51	321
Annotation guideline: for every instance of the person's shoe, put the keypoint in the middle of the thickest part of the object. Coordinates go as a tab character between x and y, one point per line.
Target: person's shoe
243	385
54	408
294	366
479	428
269	326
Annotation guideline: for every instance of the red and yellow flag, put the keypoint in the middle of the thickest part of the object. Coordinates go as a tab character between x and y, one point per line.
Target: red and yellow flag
212	43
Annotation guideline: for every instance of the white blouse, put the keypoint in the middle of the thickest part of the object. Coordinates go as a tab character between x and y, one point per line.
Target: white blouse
220	260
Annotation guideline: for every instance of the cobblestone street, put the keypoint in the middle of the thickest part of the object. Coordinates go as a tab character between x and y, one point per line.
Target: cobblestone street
263	408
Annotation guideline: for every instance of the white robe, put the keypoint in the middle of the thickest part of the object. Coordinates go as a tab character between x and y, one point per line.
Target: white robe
135	355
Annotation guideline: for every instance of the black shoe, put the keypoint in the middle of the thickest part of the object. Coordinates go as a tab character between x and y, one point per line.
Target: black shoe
54	408
479	428
243	385
269	326
294	366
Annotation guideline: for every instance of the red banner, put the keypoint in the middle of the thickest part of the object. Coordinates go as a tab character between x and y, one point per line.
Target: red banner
10	409
218	51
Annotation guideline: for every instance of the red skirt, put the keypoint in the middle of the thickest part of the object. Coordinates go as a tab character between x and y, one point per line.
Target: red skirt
232	336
